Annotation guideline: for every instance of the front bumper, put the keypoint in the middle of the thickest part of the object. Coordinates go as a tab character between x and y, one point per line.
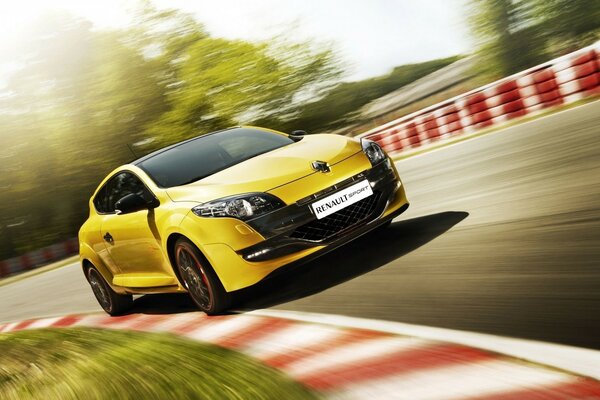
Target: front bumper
274	231
295	228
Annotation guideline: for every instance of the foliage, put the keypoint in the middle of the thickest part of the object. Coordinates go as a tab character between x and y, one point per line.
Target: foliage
508	38
66	121
514	35
224	82
211	82
81	96
337	107
86	363
567	25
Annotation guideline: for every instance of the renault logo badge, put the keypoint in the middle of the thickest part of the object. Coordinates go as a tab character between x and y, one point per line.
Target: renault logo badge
320	166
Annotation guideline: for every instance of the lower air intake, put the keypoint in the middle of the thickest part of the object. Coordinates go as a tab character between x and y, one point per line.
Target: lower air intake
329	226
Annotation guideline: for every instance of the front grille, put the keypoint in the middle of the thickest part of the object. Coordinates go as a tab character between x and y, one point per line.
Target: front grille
324	228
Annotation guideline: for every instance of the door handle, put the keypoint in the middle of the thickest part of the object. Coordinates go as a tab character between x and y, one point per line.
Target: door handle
108	237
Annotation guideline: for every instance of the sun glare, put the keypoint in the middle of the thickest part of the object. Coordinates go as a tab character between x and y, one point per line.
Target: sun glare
17	16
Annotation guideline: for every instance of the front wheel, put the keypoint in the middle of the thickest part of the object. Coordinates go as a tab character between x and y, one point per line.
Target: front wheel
110	301
198	277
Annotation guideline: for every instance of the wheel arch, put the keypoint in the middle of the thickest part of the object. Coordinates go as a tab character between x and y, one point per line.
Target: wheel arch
170	244
85	266
171	240
87	263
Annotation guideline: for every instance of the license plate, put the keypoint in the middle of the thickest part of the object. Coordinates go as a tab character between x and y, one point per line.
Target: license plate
342	199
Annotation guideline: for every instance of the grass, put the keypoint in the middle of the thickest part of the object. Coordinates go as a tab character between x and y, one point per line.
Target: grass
85	363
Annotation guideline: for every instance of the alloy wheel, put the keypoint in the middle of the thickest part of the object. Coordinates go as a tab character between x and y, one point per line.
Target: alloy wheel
194	277
99	289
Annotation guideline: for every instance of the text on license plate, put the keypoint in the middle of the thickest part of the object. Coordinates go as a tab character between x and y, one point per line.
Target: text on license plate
342	199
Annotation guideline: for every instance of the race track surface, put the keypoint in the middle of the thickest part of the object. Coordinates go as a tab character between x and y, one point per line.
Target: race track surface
502	236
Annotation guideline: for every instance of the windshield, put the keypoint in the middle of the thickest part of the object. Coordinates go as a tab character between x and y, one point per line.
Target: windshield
205	155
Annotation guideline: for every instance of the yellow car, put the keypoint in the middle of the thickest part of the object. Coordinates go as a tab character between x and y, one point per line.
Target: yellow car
222	211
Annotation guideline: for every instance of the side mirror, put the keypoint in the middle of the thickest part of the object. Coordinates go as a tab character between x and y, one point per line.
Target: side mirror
133	202
297	135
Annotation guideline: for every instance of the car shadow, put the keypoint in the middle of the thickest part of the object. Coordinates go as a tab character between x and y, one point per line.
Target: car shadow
356	258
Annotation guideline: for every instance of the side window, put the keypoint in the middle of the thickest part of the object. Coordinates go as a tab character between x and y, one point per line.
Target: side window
118	187
100	201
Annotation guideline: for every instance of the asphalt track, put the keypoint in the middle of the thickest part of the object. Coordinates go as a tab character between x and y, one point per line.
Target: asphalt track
502	236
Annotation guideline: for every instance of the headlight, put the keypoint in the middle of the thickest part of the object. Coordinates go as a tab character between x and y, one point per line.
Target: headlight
373	151
244	206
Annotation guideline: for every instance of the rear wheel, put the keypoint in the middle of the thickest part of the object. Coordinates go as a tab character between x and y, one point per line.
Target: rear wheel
198	277
110	301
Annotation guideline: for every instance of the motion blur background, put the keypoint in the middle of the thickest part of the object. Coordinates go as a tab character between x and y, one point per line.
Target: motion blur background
79	82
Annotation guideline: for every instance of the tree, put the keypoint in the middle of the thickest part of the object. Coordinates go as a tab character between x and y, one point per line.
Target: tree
340	105
568	24
225	82
513	35
81	96
67	116
507	34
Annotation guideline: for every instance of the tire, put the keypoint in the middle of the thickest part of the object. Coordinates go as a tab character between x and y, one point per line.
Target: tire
199	279
110	301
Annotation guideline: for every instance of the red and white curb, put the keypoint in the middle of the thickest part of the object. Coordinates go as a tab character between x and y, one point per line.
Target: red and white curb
564	80
349	362
39	257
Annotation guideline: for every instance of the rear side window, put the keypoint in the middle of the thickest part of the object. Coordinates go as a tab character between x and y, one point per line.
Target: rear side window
116	188
100	201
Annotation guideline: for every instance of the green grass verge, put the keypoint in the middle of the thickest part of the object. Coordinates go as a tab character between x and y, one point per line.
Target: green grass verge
86	363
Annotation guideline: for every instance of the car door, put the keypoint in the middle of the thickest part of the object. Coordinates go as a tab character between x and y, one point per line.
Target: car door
132	239
94	237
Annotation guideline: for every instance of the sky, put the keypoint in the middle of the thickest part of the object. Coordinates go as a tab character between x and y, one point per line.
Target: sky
371	36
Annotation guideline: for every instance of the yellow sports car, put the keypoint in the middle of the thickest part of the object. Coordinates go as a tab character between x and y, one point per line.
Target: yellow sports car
222	211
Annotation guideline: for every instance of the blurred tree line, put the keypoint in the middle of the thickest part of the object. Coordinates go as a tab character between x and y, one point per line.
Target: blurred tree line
340	106
80	96
514	35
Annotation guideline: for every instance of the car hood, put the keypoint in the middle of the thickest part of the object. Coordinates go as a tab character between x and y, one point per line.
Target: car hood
270	170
